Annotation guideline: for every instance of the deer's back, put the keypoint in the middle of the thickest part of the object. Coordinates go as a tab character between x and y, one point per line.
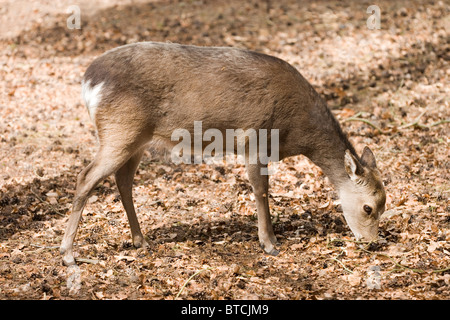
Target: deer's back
220	86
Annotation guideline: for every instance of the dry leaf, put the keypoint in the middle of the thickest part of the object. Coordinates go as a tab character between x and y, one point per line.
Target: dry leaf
354	279
126	258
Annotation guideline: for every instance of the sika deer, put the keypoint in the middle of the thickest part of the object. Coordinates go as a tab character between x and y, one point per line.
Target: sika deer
143	92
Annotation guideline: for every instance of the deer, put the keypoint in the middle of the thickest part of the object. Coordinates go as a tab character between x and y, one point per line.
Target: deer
138	94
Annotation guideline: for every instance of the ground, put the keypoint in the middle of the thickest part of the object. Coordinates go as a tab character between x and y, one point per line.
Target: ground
388	87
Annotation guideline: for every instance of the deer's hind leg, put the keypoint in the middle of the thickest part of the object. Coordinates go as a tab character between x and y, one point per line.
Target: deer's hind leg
124	180
119	152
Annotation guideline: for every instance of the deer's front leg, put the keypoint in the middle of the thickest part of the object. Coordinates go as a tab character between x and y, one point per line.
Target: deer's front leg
260	184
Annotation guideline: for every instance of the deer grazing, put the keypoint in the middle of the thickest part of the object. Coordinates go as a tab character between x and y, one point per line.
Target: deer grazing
141	93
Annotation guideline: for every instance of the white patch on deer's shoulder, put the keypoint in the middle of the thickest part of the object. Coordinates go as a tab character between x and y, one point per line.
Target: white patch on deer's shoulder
91	96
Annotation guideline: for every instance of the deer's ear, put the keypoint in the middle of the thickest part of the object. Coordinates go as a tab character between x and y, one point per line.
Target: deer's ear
368	159
352	166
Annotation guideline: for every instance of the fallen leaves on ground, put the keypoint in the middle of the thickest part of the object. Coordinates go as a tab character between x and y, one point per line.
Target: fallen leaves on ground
200	220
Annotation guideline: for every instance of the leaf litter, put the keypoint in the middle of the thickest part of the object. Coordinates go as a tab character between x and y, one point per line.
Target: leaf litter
389	88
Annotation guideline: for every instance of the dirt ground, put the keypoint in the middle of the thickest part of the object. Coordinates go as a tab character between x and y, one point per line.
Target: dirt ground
389	88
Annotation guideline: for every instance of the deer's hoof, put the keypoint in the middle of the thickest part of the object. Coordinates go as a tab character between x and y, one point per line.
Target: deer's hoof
274	252
68	260
139	242
270	250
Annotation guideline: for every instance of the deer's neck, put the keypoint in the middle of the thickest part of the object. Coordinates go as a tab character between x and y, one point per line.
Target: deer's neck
328	144
332	164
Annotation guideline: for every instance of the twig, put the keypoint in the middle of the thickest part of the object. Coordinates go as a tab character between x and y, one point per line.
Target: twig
393	260
190	278
342	251
43	247
402	266
85	260
416	123
383	255
48	203
366	121
357	118
438	123
441	270
341	263
347	240
423	126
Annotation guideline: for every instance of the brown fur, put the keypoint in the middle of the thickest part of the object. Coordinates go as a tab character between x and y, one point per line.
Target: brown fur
151	89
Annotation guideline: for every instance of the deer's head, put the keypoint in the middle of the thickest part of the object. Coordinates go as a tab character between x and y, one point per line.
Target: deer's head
362	196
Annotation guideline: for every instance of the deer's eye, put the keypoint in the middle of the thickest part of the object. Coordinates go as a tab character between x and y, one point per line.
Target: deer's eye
367	209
